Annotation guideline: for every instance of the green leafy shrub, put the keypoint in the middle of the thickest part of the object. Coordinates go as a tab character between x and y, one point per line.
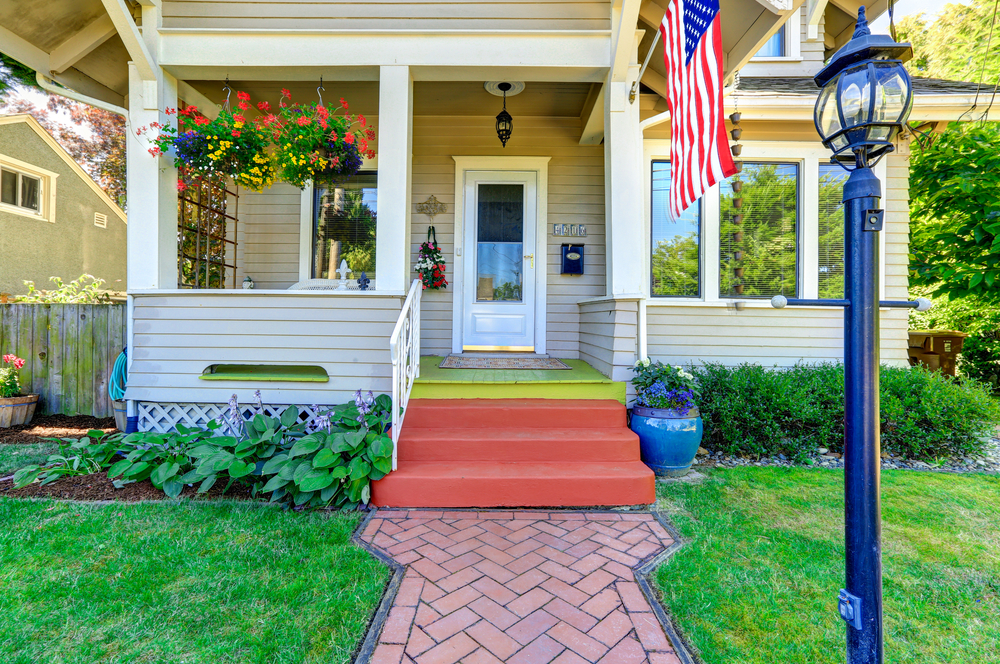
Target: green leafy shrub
77	291
329	462
754	410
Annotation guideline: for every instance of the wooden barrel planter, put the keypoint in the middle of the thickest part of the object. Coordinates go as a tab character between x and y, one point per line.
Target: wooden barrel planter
17	410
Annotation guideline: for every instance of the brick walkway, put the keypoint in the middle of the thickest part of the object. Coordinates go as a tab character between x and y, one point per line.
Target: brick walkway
521	587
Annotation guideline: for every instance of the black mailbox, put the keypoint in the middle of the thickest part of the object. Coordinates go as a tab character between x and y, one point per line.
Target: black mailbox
572	259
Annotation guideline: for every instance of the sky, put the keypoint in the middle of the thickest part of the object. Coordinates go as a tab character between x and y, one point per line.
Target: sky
909	8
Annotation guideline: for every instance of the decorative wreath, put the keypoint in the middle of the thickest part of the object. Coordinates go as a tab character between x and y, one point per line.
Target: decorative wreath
430	265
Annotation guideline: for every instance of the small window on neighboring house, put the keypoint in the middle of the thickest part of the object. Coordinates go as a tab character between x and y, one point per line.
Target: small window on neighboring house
20	190
100	220
776	46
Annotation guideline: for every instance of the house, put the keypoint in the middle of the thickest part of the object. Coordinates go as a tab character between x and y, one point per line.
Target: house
585	170
54	219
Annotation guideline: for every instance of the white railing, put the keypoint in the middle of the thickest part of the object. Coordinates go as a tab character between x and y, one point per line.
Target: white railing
404	347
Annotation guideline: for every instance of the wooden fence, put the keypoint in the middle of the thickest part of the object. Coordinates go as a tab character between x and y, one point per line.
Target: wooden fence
69	350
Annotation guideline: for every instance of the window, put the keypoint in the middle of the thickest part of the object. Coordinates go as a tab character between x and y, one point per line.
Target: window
758	231
776	46
20	190
831	230
676	244
344	220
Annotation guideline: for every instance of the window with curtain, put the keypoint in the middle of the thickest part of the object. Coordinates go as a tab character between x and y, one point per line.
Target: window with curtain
831	230
775	47
344	220
676	243
758	231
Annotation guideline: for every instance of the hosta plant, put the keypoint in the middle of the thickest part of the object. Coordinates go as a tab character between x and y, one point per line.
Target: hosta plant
84	456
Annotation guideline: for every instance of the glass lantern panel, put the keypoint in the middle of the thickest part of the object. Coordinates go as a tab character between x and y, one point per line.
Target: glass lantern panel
855	97
879	133
890	93
826	110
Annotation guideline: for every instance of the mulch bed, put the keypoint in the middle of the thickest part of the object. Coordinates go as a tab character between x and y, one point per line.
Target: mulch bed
56	426
99	487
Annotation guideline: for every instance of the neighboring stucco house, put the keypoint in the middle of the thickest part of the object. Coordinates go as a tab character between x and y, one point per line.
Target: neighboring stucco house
585	166
54	219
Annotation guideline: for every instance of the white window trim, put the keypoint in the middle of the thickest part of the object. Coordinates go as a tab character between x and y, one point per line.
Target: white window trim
793	41
808	156
46	197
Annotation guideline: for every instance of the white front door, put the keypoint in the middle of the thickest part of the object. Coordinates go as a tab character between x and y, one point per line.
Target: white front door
499	289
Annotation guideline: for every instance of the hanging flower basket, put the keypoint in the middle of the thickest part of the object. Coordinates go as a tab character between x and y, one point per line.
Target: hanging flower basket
229	145
430	263
314	143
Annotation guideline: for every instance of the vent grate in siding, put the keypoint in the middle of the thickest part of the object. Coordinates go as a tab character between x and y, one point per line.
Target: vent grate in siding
100	220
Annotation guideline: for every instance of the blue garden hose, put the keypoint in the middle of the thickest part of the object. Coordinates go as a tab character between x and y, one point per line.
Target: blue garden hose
119	377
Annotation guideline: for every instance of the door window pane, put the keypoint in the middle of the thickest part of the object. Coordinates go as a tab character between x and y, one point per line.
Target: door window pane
676	243
758	243
831	230
500	242
344	227
8	187
29	193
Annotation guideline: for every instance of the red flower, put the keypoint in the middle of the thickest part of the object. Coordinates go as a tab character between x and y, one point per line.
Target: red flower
303	120
333	137
155	151
349	138
202	120
370	134
181	186
370	154
170	111
264	107
343	103
285	93
243	96
362	120
239	118
236	134
243	106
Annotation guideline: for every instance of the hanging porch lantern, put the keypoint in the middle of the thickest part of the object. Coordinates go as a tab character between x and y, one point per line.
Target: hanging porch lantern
505	123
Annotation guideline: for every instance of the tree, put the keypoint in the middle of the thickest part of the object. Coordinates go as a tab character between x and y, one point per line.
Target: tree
14	74
955	45
955	211
102	154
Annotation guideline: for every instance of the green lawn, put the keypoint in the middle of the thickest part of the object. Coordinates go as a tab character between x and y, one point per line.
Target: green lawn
14	456
181	582
757	579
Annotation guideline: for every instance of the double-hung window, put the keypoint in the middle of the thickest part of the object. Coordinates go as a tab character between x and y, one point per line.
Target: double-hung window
343	224
831	230
20	190
676	243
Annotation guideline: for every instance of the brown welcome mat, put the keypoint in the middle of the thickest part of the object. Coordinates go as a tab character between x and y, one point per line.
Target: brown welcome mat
536	363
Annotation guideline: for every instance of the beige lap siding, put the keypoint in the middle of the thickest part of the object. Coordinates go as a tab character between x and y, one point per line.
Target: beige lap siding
269	223
576	196
387	15
609	337
176	336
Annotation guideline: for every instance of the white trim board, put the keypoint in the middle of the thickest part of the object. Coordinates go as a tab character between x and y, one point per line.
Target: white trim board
539	165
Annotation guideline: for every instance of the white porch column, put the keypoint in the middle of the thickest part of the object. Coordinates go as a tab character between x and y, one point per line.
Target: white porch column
623	178
395	159
152	187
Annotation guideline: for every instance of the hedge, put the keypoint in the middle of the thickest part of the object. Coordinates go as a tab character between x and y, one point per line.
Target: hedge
759	411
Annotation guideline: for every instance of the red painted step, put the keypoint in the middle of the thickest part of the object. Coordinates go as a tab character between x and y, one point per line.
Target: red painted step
516	453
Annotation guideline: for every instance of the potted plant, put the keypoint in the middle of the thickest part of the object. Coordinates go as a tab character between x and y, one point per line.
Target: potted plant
665	417
229	145
315	143
15	408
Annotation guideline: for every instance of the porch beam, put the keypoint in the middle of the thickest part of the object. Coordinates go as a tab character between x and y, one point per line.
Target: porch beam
81	44
624	19
395	169
592	118
135	45
202	54
763	28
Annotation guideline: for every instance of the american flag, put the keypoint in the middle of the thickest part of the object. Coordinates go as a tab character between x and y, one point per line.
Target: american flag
692	52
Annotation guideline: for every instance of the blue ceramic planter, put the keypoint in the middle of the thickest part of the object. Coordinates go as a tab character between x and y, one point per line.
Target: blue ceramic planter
668	441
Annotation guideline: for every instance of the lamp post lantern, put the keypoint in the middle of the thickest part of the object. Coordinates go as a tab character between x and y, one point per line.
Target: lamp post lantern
865	100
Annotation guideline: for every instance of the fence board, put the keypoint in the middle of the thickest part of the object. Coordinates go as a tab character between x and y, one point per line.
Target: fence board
70	350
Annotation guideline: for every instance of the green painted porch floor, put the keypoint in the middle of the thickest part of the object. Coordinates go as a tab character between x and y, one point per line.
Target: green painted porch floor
581	381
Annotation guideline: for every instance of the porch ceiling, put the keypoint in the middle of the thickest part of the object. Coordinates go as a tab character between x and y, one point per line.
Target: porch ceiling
549	99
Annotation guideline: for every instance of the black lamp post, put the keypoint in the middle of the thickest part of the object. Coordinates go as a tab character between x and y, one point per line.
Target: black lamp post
865	99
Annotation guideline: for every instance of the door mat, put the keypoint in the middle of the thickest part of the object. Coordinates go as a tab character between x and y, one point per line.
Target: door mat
536	363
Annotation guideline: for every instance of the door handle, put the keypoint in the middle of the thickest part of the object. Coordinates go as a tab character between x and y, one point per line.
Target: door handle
532	257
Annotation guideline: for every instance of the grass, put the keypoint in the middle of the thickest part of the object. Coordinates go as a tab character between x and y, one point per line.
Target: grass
15	456
181	583
756	582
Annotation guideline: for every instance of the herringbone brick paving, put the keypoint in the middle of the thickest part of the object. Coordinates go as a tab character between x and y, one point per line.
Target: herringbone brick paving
525	587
